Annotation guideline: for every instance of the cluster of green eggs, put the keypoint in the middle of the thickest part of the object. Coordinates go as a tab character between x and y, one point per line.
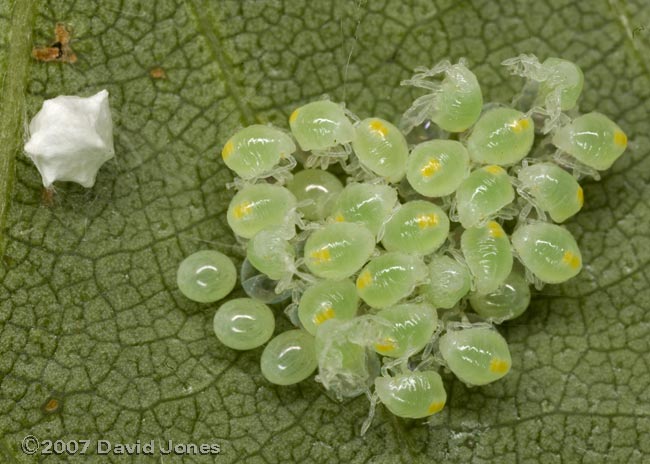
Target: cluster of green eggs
404	270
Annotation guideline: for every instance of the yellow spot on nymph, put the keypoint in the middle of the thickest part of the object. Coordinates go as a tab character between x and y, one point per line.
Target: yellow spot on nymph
581	196
386	345
620	138
227	150
294	115
324	315
519	125
377	126
494	169
427	220
571	259
242	209
499	366
322	255
339	218
495	229
435	407
429	169
364	280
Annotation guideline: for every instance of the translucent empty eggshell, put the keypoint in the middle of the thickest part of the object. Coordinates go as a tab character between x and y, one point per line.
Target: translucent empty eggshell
346	366
318	189
368	204
507	302
449	281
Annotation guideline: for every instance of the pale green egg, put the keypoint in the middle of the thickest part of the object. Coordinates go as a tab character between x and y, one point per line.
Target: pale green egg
289	358
243	324
509	301
206	276
317	187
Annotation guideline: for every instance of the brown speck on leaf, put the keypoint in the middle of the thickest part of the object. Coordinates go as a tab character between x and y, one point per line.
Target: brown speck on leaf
158	73
51	406
59	50
47	196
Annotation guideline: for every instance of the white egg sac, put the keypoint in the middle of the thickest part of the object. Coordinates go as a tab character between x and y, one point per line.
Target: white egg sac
71	138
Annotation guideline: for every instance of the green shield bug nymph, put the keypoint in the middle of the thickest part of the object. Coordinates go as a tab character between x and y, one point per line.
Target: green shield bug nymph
243	324
381	147
289	358
321	125
316	190
549	251
453	104
417	227
502	136
593	139
262	206
488	255
327	300
412	395
389	278
206	276
411	328
271	254
437	167
368	204
449	281
338	250
346	366
482	194
560	81
551	189
507	302
256	150
476	355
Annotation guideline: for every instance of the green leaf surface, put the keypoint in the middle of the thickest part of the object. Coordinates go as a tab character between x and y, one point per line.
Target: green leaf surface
89	311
